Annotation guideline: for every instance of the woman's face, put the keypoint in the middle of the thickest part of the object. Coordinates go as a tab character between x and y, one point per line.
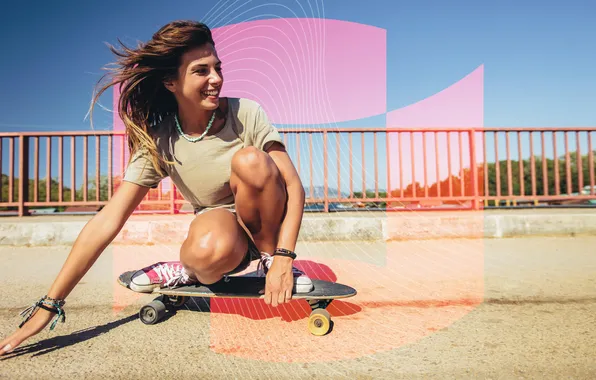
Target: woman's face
199	79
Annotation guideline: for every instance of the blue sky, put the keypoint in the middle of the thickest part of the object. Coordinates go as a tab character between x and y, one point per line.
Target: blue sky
539	57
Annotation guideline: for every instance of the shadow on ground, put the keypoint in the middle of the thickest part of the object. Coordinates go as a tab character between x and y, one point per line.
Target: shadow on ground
49	345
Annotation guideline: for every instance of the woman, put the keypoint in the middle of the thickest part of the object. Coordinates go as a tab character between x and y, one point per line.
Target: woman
227	160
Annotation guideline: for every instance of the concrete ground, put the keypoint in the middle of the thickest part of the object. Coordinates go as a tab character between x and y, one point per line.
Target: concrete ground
519	308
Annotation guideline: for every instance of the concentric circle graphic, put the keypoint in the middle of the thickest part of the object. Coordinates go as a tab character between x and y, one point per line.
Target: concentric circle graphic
311	75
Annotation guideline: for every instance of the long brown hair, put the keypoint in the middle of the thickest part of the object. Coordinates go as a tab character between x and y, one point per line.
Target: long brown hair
140	73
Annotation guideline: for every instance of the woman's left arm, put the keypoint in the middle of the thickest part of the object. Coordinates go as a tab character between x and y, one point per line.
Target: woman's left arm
290	227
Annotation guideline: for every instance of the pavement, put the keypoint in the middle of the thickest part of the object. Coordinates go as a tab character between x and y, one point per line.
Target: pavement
464	308
48	230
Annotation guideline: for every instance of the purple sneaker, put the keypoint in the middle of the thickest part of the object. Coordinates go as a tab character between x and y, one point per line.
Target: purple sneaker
160	275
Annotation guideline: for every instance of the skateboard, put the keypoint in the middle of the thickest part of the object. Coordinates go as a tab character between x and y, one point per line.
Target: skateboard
319	321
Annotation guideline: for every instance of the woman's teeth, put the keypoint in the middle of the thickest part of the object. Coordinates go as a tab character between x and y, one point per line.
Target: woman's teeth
211	93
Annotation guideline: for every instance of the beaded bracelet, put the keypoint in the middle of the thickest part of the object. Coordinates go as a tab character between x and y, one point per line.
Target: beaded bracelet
55	306
284	252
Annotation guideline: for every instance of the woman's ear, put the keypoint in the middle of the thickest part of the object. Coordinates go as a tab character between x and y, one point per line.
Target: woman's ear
170	85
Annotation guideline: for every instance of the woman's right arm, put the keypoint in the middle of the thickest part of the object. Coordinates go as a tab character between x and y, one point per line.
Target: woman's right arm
97	234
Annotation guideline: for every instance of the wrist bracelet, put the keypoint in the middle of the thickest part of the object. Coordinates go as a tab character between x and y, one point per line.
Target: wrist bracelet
54	300
284	252
55	306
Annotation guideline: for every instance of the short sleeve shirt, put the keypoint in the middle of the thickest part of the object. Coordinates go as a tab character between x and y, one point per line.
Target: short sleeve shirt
201	170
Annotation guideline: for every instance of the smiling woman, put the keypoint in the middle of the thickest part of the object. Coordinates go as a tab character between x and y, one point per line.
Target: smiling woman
223	154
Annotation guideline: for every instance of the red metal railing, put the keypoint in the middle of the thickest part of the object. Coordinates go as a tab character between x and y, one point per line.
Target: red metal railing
341	169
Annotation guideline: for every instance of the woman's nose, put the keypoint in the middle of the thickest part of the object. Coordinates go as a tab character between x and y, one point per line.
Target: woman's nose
215	78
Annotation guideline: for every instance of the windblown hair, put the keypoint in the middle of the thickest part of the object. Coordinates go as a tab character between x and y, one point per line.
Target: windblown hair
140	73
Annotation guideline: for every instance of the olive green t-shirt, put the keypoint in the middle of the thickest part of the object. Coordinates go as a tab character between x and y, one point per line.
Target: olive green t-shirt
201	170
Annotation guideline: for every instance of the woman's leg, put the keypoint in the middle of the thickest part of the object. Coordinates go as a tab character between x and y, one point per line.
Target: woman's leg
216	245
260	196
216	242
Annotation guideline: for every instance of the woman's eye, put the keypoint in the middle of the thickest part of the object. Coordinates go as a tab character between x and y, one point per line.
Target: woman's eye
206	71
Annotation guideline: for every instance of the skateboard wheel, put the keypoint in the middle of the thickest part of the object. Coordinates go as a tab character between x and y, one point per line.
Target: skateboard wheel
319	322
152	312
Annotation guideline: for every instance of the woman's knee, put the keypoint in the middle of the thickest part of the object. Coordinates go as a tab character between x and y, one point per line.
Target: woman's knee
254	167
211	244
199	252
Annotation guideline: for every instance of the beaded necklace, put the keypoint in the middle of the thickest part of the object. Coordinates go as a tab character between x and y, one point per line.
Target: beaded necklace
194	139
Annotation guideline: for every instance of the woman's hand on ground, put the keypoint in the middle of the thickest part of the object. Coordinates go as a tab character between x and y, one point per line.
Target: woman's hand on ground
33	326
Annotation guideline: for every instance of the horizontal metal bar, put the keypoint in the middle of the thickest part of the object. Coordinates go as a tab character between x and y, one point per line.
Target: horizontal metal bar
541	197
336	130
58	134
69	203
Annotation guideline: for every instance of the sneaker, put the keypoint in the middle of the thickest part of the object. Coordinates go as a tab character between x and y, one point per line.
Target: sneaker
302	284
160	275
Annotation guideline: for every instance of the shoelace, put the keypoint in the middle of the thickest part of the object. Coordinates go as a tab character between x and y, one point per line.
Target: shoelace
173	274
266	261
166	270
182	277
174	281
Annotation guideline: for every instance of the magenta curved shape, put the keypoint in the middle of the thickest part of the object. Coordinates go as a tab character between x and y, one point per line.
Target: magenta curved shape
303	71
306	71
459	106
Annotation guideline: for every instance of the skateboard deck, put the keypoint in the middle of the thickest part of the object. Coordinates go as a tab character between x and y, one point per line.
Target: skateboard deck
318	298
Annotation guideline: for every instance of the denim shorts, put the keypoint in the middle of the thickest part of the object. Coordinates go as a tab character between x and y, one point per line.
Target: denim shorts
252	253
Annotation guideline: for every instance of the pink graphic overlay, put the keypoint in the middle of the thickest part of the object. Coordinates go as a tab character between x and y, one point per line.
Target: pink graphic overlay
126	259
457	265
419	289
305	71
121	154
457	108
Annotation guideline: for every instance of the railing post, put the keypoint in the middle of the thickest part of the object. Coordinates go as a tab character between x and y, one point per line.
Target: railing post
474	170
173	198
23	174
326	182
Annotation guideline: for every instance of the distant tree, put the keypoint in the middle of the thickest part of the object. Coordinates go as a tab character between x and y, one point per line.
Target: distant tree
452	186
540	181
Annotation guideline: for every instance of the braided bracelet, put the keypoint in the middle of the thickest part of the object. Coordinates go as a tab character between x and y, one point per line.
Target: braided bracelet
55	306
284	252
